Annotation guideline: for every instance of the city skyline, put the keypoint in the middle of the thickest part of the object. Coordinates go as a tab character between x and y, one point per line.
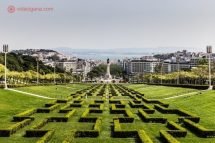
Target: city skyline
100	24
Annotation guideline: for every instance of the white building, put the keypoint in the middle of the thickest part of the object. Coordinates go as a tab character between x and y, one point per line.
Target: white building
139	66
67	66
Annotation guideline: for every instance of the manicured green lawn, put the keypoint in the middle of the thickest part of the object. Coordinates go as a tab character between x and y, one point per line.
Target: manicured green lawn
54	91
202	105
12	103
159	92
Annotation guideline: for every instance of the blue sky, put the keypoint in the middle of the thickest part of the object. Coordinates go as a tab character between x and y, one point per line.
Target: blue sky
109	24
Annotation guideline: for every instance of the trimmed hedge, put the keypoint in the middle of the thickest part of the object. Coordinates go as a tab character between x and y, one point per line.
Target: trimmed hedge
117	132
49	109
155	102
176	130
165	110
198	129
144	138
46	137
70	113
70	138
187	115
134	105
13	128
91	133
27	112
114	110
98	124
24	115
166	137
144	116
149	111
40	124
35	133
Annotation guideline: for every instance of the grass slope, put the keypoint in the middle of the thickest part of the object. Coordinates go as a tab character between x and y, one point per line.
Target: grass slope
54	91
159	92
12	103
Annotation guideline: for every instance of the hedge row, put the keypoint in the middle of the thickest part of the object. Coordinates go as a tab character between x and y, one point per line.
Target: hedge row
90	133
15	127
49	109
77	103
114	110
165	110
70	138
40	124
180	112
149	111
27	112
128	113
84	117
24	115
70	113
35	133
155	102
188	115
166	137
98	124
46	137
144	138
144	116
198	129
135	105
64	109
117	132
176	130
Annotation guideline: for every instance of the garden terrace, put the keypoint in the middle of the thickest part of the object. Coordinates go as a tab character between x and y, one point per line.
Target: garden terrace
110	113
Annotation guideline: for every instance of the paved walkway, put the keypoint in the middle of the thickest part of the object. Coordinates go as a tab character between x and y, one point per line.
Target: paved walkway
186	94
31	94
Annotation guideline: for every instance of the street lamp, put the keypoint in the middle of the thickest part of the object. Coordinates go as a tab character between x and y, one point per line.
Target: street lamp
54	72
5	51
161	72
209	52
37	59
178	69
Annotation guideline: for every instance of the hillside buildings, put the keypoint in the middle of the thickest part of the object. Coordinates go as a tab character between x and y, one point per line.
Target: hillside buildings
165	63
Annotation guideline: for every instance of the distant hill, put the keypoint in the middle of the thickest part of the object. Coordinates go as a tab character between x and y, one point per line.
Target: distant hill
117	53
18	62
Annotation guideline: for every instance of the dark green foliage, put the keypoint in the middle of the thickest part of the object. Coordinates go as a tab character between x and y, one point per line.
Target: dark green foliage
18	62
166	137
198	129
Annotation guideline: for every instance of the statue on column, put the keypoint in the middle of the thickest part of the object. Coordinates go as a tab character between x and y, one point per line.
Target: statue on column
108	75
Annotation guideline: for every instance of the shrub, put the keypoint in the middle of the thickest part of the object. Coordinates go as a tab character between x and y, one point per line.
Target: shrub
70	138
165	110
40	124
167	137
146	118
15	127
35	133
70	113
98	125
144	138
176	130
27	112
46	137
117	126
129	113
198	129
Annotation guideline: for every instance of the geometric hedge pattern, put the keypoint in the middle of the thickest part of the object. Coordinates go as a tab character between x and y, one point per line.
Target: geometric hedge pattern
105	113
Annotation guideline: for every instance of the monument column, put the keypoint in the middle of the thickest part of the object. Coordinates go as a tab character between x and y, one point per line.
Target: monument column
108	75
